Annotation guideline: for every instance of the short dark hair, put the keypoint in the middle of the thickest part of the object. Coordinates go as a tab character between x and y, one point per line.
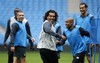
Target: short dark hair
20	12
50	11
17	10
86	6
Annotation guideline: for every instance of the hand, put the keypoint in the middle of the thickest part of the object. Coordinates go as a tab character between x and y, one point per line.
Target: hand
12	49
91	45
32	39
57	42
4	44
63	37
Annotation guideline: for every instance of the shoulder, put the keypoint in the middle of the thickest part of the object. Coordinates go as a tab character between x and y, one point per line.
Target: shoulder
57	24
77	26
46	22
15	24
25	21
78	16
12	18
91	16
65	30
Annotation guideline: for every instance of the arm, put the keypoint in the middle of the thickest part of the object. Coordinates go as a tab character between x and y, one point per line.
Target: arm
93	32
59	32
28	28
29	34
47	29
14	30
83	32
62	40
31	38
7	31
28	31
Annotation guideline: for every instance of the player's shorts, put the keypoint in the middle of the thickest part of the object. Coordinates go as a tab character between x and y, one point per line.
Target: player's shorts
79	57
20	52
48	56
89	50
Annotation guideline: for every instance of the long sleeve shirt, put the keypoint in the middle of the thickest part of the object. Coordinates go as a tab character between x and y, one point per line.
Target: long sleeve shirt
8	30
48	37
15	28
82	33
74	37
47	28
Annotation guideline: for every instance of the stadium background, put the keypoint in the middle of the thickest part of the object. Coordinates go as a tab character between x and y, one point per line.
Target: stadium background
35	9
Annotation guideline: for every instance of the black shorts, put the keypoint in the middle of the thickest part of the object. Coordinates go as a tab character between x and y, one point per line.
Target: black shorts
79	58
48	56
89	51
20	52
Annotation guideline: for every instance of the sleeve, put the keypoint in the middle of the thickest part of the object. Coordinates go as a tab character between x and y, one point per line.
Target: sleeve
62	41
29	37
28	29
14	30
47	29
83	32
7	33
59	31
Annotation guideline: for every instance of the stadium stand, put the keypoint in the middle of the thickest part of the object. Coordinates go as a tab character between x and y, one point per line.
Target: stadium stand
34	11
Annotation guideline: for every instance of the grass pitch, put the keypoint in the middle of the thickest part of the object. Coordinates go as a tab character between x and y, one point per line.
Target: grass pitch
34	57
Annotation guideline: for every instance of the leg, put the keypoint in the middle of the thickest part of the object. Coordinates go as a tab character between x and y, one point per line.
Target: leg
89	54
20	54
23	60
48	56
10	55
58	54
53	57
59	49
16	60
75	59
88	58
43	55
79	58
82	57
31	45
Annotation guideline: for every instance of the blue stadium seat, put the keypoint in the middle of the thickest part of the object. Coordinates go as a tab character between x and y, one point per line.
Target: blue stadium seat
35	9
1	38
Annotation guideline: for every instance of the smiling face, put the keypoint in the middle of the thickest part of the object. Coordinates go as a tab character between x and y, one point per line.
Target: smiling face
69	23
83	9
20	16
51	17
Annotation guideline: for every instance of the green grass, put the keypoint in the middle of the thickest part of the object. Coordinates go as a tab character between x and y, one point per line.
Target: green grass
34	57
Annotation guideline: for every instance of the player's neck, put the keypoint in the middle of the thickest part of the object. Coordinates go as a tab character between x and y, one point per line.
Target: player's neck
84	14
72	27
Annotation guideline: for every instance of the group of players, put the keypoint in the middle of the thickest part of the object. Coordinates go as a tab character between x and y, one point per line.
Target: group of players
78	32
